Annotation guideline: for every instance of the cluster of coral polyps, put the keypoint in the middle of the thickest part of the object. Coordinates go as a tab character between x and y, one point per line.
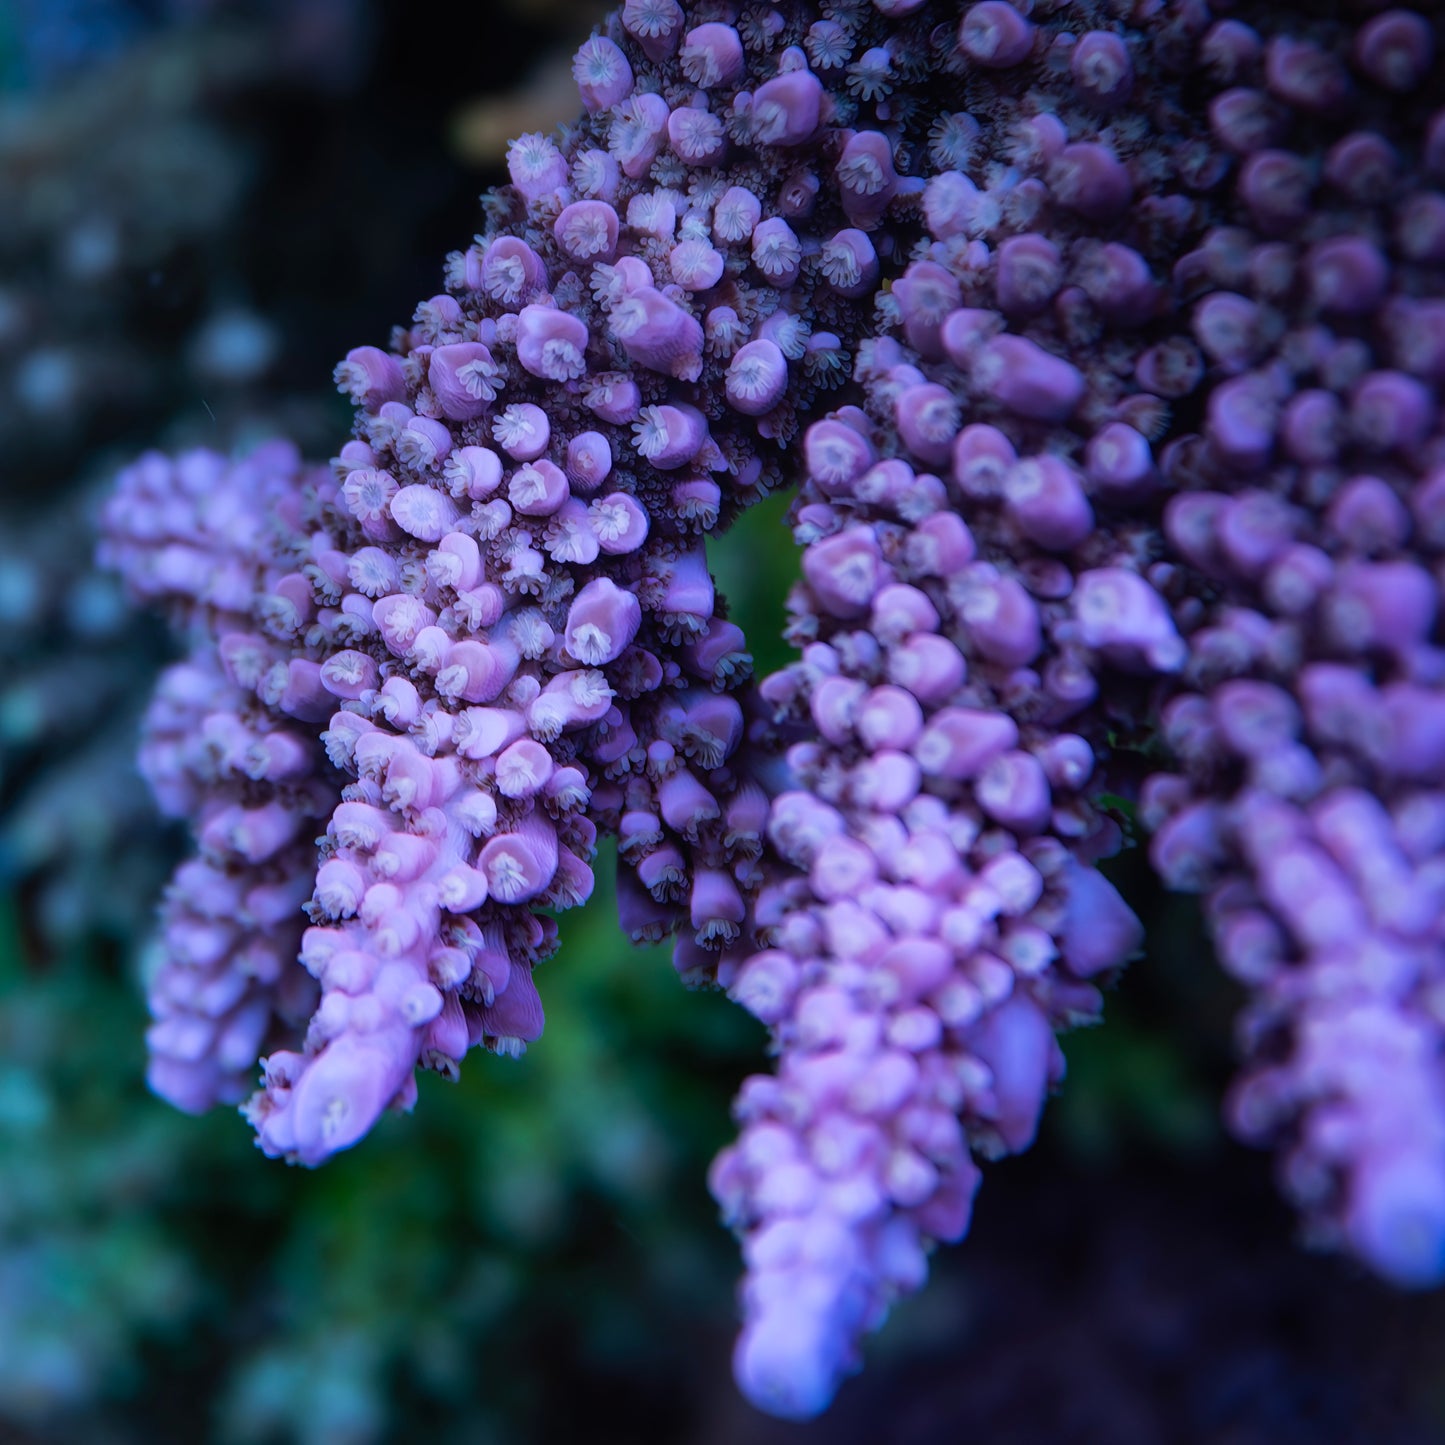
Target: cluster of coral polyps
1103	342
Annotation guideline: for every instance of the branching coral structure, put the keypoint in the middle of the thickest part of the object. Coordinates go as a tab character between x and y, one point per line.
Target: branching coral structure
1103	343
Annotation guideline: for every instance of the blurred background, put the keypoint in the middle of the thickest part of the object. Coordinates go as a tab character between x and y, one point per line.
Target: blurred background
202	207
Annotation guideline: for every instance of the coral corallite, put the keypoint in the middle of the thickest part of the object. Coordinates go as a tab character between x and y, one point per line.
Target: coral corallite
1104	345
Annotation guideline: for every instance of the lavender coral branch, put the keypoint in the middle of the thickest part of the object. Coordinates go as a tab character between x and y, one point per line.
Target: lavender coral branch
222	748
957	687
1309	725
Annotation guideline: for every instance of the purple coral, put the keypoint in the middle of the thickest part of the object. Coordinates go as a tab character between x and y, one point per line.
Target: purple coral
1142	429
229	744
1307	724
909	801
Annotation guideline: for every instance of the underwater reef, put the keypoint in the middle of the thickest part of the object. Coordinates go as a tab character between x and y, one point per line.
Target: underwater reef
1096	350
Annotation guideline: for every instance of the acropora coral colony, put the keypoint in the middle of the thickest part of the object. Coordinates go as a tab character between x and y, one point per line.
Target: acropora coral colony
1103	341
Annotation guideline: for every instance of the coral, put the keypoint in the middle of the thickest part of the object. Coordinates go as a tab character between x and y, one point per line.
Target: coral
195	537
1276	567
1139	460
516	524
1309	723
